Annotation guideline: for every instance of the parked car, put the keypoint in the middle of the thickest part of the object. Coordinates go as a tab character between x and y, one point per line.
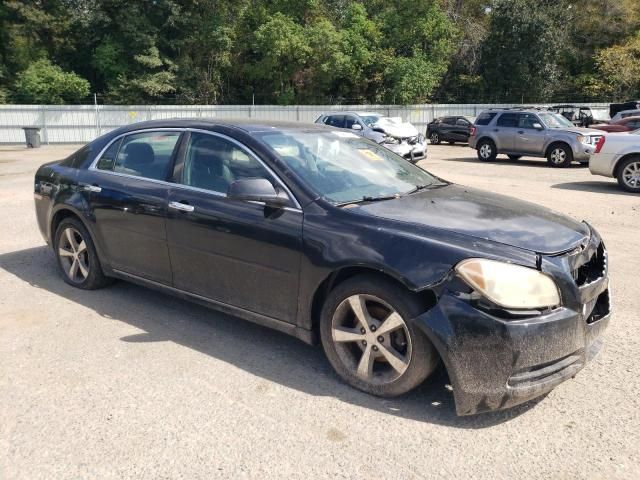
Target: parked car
320	233
625	114
615	108
390	132
518	132
449	129
617	155
626	124
579	116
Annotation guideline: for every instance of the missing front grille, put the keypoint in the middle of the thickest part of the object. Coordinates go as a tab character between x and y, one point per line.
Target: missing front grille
593	269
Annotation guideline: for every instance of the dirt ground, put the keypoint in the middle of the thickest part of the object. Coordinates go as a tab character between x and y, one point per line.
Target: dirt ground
127	383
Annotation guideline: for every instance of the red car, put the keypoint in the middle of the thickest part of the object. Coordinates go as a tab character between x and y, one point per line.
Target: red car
627	124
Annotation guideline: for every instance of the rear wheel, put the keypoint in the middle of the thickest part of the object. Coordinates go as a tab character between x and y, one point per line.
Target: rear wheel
369	340
77	257
560	155
434	138
487	151
629	174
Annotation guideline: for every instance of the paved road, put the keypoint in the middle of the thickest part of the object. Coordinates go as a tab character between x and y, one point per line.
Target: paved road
127	383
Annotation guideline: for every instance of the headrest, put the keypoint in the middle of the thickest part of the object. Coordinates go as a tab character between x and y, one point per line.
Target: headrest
139	154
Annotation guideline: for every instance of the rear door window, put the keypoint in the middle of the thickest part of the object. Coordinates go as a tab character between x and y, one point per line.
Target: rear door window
508	120
485	118
336	121
147	155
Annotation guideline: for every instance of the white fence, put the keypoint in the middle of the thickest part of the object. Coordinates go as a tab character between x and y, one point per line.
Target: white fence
83	123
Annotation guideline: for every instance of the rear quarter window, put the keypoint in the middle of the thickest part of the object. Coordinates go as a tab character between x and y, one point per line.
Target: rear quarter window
485	118
77	159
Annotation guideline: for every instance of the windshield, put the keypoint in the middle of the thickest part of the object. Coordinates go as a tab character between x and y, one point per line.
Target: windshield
370	120
554	120
344	168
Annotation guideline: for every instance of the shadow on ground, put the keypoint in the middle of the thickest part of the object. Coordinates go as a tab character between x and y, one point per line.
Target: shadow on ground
504	161
594	186
263	352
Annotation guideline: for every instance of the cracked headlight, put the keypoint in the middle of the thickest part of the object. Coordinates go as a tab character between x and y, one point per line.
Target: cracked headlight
389	139
507	285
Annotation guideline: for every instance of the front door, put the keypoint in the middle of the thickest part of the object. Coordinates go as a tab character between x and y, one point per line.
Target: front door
128	196
530	139
234	252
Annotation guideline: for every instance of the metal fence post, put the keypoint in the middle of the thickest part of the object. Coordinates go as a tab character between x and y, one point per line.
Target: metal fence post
45	131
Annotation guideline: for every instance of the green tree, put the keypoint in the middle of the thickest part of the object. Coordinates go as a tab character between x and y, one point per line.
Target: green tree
44	82
522	52
619	67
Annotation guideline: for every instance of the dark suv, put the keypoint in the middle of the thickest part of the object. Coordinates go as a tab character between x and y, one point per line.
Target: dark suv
532	132
449	129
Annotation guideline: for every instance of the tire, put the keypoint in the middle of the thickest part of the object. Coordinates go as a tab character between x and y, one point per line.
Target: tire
514	157
629	174
452	143
434	138
486	150
69	250
413	356
559	155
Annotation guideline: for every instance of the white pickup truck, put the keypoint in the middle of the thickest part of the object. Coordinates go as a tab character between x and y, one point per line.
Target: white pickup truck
617	155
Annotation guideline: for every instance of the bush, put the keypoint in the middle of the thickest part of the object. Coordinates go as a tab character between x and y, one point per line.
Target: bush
44	82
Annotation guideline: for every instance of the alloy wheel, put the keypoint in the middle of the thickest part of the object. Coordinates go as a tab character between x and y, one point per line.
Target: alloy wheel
485	150
74	256
371	338
631	175
558	156
434	138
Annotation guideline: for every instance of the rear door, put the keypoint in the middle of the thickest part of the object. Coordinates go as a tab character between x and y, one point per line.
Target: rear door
505	131
335	121
234	252
447	128
529	140
128	192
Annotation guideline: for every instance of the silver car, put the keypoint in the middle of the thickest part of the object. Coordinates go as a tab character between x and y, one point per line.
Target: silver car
399	137
531	132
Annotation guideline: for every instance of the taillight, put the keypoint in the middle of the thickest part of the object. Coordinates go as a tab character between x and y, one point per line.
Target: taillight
473	131
600	143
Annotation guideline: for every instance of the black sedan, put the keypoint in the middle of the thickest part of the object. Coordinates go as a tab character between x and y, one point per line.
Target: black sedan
449	129
322	234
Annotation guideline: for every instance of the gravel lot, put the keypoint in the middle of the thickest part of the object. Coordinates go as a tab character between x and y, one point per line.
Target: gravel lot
125	382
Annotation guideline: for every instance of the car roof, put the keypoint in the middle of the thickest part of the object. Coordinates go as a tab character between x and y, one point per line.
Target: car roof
352	112
514	110
247	125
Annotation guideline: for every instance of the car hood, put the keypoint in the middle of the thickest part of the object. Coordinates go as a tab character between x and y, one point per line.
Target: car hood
484	215
396	128
580	130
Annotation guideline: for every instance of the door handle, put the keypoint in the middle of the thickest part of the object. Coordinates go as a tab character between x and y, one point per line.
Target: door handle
183	207
92	188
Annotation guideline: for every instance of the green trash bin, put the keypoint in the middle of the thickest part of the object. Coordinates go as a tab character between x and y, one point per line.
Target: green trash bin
32	136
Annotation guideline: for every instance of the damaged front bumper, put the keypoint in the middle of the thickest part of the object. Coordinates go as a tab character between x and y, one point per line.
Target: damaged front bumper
496	361
411	149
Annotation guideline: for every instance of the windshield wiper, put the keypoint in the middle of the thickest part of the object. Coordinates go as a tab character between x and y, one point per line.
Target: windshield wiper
369	199
417	189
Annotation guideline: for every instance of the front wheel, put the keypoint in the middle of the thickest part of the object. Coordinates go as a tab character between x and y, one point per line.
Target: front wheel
629	174
369	340
560	156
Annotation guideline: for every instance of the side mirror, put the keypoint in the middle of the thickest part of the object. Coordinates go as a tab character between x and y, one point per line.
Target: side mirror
257	190
538	126
356	126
